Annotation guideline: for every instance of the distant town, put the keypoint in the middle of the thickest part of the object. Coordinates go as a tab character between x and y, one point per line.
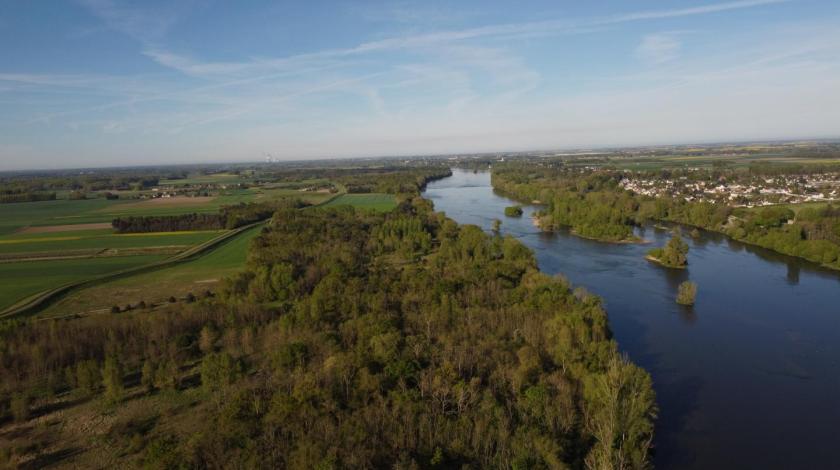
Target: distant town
742	192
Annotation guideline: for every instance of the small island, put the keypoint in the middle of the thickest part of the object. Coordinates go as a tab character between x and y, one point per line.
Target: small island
673	255
686	293
513	211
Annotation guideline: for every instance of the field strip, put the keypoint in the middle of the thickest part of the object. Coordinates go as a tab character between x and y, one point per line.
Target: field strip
38	301
64	228
38	240
163	234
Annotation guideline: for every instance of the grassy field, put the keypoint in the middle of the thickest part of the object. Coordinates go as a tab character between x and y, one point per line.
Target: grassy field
373	201
311	197
98	239
13	217
705	161
796	207
194	276
216	178
20	280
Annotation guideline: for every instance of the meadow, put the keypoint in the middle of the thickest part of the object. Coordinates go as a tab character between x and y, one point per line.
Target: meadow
371	201
194	276
14	217
24	279
59	242
215	178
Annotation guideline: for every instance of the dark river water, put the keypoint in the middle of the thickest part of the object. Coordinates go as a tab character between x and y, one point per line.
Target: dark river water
747	378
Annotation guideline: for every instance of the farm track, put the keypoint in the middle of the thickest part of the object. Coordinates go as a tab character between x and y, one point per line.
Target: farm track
41	300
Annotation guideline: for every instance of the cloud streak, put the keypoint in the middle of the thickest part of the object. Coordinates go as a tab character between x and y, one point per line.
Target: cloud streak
658	48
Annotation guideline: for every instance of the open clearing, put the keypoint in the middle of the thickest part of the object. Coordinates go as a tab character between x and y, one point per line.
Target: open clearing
193	276
372	201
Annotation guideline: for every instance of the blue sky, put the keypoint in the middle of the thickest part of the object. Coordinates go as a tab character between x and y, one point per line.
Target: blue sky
110	83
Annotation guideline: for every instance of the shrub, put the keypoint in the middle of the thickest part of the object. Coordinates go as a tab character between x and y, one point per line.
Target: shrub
686	293
513	211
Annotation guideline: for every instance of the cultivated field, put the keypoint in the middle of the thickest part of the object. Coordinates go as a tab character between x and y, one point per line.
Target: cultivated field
194	276
58	244
371	201
23	279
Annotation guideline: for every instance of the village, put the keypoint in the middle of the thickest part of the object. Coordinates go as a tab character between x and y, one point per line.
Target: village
744	191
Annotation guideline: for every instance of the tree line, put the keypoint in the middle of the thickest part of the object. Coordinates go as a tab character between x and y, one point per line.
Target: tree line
229	217
11	196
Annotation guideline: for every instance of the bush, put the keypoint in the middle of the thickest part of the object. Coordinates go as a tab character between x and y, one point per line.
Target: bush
513	211
686	293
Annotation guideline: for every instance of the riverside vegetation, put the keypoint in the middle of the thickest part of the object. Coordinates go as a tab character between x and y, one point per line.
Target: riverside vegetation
686	293
353	338
591	203
673	255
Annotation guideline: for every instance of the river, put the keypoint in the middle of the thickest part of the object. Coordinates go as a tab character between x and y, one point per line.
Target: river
747	378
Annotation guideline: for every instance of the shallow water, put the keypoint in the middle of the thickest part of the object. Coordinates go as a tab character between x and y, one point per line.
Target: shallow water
747	378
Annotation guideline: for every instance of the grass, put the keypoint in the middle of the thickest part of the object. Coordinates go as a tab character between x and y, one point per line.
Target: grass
216	178
98	239
280	193
795	207
21	280
62	212
193	276
372	201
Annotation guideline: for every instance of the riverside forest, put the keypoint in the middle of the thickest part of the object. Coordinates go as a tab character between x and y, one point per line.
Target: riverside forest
336	317
350	337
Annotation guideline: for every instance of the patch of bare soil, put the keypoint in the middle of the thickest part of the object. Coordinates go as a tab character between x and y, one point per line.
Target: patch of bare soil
180	201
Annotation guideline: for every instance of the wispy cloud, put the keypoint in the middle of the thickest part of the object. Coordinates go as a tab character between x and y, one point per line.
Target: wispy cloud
145	25
659	48
427	40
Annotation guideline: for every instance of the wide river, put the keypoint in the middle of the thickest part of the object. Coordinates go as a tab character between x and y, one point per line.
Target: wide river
747	378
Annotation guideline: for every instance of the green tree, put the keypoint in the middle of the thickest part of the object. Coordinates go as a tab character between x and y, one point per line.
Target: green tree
218	370
112	379
207	339
673	254
88	377
686	293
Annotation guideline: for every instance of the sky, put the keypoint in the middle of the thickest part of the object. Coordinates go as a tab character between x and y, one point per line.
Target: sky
91	83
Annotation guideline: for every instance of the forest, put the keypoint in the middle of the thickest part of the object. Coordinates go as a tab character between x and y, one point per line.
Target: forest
353	339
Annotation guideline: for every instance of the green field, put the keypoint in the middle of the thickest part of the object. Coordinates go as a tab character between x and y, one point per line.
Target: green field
193	276
796	207
311	197
64	212
372	201
21	280
98	239
216	178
